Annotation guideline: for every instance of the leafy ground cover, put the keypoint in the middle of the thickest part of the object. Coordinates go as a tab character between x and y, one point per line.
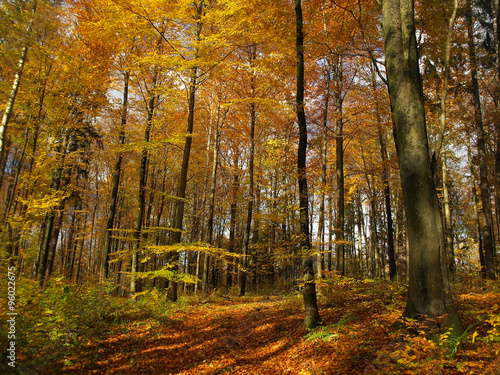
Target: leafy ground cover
76	330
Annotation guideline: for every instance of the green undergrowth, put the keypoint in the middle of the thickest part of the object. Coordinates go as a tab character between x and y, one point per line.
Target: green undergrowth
54	320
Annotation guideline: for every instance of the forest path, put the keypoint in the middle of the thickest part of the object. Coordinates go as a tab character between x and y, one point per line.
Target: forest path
263	335
250	335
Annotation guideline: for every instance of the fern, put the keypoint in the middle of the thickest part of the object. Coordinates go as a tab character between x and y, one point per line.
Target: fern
327	333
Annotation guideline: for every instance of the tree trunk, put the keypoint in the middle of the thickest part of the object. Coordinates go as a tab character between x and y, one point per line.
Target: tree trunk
56	185
497	122
312	318
116	183
486	217
232	222
13	92
324	165
427	295
143	172
211	203
450	253
387	189
475	206
246	243
181	189
339	167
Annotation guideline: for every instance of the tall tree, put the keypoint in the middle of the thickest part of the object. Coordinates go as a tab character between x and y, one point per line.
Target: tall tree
181	188
15	87
151	99
428	295
252	54
486	216
312	318
116	182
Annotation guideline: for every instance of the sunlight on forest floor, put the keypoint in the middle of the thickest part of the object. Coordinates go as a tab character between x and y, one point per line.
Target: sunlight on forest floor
76	330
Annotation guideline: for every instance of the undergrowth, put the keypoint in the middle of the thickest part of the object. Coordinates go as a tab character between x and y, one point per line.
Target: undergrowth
63	318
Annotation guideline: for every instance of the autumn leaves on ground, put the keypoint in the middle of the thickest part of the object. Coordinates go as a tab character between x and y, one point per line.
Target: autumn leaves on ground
76	330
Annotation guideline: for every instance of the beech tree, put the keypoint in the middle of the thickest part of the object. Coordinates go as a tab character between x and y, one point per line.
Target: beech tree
312	318
428	294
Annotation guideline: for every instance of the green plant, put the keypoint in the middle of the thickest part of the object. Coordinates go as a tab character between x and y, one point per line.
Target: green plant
327	333
493	333
451	342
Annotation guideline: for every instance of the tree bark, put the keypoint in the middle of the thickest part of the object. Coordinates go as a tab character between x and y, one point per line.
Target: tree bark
428	297
312	317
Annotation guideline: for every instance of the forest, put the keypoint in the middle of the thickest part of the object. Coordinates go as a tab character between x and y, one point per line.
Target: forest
258	186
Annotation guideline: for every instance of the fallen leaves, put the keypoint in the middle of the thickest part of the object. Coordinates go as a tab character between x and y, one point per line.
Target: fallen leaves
262	335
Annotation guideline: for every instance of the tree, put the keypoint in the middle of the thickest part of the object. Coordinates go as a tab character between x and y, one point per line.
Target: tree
486	216
312	318
428	296
116	182
15	87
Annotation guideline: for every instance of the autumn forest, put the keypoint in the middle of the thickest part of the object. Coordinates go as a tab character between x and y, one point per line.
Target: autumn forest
315	182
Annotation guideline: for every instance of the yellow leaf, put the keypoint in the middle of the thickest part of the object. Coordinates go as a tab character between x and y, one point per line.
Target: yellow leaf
474	335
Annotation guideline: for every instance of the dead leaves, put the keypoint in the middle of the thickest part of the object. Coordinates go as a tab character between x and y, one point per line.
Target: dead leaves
259	335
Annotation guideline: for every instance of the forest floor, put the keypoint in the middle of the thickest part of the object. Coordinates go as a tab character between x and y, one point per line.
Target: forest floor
225	334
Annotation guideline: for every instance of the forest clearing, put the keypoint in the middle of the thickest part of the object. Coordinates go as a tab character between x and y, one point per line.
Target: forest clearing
171	171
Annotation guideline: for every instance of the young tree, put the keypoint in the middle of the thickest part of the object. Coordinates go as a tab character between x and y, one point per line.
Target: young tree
428	295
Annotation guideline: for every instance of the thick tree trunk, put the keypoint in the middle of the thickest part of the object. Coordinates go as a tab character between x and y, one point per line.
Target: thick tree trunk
116	183
427	295
312	318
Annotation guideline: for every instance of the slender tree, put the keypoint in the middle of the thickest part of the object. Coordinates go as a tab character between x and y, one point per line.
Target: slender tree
15	87
312	317
486	216
116	182
181	188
